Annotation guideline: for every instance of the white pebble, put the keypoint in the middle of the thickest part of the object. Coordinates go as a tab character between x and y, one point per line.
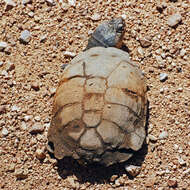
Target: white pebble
140	51
133	170
181	161
50	2
163	135
4	73
3	45
4	131
52	90
24	2
15	108
163	77
9	4
36	128
31	14
37	118
161	90
176	146
182	52
124	16
69	54
25	36
180	89
27	117
96	17
72	3
174	19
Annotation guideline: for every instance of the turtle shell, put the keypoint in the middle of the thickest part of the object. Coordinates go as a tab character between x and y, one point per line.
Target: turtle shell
99	110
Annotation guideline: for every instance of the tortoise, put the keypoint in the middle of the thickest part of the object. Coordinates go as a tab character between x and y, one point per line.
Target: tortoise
99	109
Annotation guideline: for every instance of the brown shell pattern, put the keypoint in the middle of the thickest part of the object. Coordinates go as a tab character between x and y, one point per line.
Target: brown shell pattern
99	109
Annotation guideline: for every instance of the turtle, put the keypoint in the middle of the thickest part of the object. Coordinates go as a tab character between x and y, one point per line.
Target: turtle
100	105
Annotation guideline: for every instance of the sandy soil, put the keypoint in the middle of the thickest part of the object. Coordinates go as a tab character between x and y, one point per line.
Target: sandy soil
29	73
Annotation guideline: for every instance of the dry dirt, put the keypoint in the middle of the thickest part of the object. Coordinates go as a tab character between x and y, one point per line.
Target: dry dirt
29	74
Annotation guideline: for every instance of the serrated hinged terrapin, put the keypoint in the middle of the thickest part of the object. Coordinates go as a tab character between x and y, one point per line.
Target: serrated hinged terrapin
99	110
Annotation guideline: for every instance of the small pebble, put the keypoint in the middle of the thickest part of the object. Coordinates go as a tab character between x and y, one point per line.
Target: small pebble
33	141
161	90
174	19
72	3
69	54
2	123
9	4
140	51
181	161
187	171
1	63
172	183
4	131
23	126
163	55
71	181
10	66
31	14
11	167
36	128
37	118
16	143
180	150
35	86
24	2
43	38
4	73
3	45
96	17
176	147
15	108
124	16
113	178
145	42
161	6
182	52
180	89
160	61
152	138
163	135
150	182
25	36
2	109
27	117
64	6
133	170
50	2
52	91
21	173
90	32
163	77
40	154
7	50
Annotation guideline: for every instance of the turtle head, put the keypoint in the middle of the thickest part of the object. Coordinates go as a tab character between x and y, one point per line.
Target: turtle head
118	27
108	34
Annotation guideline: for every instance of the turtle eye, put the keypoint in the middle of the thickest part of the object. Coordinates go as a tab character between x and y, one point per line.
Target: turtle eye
120	27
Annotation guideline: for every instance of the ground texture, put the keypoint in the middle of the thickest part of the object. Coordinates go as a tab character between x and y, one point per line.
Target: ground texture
31	63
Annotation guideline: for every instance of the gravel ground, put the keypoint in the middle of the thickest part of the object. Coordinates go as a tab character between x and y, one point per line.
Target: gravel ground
37	38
